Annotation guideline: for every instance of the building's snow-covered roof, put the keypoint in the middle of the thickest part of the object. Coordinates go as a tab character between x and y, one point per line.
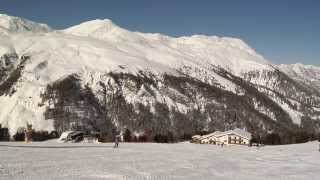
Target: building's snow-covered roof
196	137
216	133
237	131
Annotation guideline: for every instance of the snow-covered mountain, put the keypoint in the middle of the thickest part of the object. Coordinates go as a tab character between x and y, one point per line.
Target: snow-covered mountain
10	24
308	74
99	76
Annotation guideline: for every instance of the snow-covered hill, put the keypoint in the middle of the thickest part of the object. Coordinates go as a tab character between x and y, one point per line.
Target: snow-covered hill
84	76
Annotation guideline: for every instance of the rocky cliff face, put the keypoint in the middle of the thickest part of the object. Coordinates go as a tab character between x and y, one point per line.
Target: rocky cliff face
99	77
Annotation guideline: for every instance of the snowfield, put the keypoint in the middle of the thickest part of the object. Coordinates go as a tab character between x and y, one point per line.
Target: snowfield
148	161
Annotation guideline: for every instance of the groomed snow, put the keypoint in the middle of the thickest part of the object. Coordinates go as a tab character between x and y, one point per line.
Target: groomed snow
183	161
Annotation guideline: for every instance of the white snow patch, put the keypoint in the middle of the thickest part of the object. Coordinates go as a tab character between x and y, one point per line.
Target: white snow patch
294	115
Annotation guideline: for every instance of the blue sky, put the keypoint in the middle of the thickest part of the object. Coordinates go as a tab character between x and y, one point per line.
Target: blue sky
284	31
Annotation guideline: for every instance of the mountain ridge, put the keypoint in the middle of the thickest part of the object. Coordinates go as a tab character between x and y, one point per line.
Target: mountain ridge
14	24
77	78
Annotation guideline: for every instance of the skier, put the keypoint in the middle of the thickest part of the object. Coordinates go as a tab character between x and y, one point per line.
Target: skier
116	141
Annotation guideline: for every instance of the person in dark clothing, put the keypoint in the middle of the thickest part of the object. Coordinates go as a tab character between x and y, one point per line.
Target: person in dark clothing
116	141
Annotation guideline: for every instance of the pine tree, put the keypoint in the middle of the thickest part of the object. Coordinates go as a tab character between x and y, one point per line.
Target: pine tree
127	135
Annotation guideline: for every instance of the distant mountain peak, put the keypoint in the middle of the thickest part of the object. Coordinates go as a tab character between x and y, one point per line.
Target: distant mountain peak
98	28
299	66
10	24
95	24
